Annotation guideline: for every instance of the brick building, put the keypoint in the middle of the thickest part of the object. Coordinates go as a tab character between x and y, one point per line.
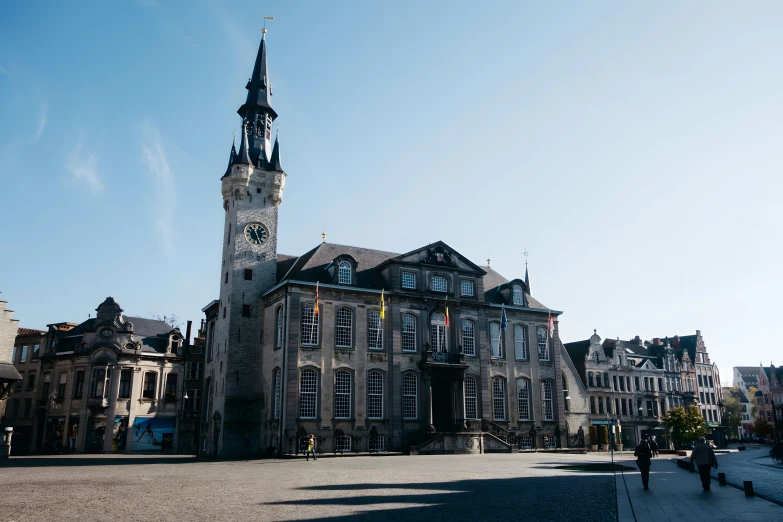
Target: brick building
366	348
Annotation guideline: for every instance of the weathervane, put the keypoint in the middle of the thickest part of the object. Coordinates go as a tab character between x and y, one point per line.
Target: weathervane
263	31
526	254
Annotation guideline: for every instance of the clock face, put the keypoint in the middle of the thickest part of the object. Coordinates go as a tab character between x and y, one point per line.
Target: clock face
256	233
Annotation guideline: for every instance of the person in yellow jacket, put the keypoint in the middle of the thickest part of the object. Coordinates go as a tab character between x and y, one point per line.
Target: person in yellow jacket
310	448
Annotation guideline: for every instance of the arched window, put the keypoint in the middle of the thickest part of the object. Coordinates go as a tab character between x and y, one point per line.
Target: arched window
499	398
308	393
543	345
471	397
546	400
518	297
342	394
438	332
408	333
494	340
523	395
344	333
520	342
309	325
374	331
344	273
276	386
279	327
410	396
468	338
375	395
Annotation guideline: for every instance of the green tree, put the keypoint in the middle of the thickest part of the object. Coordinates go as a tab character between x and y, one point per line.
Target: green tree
761	428
733	411
752	398
685	424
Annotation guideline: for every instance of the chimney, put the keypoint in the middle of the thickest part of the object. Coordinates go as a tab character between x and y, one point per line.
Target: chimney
187	333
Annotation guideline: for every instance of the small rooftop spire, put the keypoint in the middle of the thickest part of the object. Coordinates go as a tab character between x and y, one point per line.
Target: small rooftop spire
231	156
274	161
258	84
488	261
243	158
323	237
527	279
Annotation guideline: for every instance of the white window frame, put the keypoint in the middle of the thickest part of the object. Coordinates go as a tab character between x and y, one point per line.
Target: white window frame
438	337
308	393
344	273
523	398
467	288
468	337
437	287
279	327
375	388
408	332
310	322
408	284
520	343
543	344
410	396
343	392
470	392
343	328
518	296
495	334
374	330
499	399
547	408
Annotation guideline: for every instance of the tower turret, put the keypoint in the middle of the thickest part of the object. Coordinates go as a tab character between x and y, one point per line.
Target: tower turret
257	112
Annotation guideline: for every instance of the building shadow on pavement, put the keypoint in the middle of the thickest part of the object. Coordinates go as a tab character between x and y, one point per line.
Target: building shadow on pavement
586	498
94	460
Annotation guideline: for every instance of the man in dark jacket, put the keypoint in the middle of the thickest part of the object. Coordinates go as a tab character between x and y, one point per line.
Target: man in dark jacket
705	459
654	447
643	455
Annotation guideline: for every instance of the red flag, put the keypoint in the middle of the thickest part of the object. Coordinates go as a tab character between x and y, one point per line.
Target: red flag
316	299
447	316
551	326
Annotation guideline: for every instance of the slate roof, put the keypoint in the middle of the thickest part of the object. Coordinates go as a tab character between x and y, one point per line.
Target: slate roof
148	331
492	280
736	393
577	351
311	266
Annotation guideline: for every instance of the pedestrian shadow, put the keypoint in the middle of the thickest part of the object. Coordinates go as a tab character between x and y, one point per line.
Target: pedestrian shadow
554	498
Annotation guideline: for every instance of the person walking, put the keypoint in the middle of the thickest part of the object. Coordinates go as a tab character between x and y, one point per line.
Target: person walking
643	455
705	459
654	447
310	448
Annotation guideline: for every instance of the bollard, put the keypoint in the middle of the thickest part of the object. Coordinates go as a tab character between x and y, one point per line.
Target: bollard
722	479
748	488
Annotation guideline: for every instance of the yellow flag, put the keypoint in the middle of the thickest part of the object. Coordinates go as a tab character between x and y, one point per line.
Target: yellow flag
383	308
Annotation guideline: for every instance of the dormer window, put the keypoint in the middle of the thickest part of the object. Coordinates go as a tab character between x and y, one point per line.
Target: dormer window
344	273
518	297
439	284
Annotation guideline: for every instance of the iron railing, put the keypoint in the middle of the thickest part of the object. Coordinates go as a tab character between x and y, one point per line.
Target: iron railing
339	441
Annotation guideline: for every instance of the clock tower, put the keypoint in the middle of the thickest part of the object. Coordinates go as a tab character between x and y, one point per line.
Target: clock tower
252	190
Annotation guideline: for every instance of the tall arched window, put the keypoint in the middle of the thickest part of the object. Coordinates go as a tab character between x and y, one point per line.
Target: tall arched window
518	297
410	396
276	394
546	400
438	332
374	331
342	394
468	338
471	397
499	398
523	396
344	273
543	345
520	342
408	333
308	393
375	395
494	340
279	327
344	332
309	325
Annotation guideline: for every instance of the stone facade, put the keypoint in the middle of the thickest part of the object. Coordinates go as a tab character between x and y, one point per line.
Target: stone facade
23	399
8	375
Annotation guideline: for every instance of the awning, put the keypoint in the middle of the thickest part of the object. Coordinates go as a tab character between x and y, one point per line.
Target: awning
9	373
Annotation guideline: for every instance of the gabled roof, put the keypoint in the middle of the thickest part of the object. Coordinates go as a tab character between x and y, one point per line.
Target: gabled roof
413	257
311	266
152	333
577	351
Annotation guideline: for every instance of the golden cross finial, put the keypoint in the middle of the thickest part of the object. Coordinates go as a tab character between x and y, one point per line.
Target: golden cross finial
488	261
323	237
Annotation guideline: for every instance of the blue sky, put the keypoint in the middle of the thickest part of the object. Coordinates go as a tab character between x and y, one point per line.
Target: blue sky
633	148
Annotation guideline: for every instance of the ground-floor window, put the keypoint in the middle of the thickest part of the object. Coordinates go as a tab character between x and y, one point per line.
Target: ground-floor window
525	441
342	443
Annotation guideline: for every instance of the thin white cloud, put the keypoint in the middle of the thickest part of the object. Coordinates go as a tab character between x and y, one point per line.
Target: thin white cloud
42	118
4	71
83	166
155	160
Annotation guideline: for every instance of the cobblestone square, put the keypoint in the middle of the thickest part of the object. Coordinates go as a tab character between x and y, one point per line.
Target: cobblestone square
468	487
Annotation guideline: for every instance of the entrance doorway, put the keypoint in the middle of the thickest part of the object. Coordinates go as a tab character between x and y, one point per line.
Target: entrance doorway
442	405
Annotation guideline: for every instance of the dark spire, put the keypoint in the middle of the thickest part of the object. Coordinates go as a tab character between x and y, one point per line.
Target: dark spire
243	158
274	162
258	87
527	279
231	156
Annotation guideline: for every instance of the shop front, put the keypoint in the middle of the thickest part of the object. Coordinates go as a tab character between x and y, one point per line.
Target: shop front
153	433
